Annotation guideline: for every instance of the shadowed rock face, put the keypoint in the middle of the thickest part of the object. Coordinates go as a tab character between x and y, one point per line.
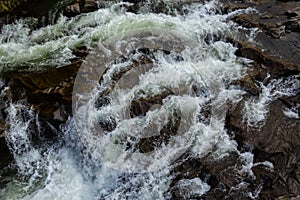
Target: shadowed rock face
46	11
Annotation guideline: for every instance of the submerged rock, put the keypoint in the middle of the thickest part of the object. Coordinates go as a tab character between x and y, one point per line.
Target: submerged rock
141	104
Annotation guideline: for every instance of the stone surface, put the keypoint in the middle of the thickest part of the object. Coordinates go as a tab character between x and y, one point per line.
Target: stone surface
47	12
275	54
279	25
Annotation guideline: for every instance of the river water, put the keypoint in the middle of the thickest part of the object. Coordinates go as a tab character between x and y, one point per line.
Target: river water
191	62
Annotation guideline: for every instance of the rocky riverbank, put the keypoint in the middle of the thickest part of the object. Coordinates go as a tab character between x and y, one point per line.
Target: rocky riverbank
275	53
275	56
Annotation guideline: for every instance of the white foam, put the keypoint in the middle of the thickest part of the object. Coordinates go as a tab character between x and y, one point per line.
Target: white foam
256	108
291	113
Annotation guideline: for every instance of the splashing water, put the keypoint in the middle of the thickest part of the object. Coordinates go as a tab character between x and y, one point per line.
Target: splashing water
82	164
256	109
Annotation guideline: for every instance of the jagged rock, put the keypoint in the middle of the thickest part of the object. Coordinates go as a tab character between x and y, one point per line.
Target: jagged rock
249	85
277	32
279	133
40	132
141	105
276	66
49	92
149	144
107	123
81	6
46	12
293	25
225	169
90	5
159	6
73	9
222	175
278	142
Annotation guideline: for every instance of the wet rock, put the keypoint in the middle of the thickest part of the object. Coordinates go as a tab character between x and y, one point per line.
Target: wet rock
53	81
249	85
47	92
141	105
159	6
293	26
277	141
102	101
139	65
6	156
221	174
107	123
90	6
277	32
149	144
73	9
224	169
41	133
279	132
278	23
77	7
265	61
47	12
213	194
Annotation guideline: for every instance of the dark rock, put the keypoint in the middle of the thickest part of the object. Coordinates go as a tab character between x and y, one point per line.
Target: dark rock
73	9
5	155
149	144
293	25
249	85
48	92
225	169
141	105
107	123
57	81
41	133
279	133
276	66
102	101
47	12
277	32
216	193
278	142
159	6
90	6
274	19
81	6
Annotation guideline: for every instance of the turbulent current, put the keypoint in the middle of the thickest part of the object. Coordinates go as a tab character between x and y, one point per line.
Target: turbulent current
152	92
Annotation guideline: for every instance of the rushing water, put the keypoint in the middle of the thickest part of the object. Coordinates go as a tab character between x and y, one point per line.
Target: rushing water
106	164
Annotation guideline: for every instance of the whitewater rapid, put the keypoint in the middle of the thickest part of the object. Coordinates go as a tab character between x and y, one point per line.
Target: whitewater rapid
84	165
